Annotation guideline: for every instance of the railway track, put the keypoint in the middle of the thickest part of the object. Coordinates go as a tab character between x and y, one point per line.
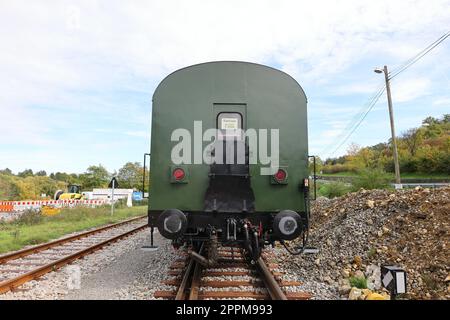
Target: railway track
21	266
233	277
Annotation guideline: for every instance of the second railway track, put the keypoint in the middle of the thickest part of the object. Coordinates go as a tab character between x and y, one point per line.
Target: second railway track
233	277
21	266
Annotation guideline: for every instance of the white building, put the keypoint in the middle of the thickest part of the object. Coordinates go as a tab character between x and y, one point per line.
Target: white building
106	194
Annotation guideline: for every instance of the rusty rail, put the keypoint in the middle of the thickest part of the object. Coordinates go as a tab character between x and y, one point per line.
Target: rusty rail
47	245
191	283
15	282
195	284
184	285
271	284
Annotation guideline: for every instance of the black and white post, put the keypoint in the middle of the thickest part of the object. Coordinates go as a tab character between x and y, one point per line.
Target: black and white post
112	195
393	279
113	184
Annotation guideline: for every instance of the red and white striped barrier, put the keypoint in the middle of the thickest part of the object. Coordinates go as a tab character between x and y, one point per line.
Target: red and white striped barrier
10	206
6	206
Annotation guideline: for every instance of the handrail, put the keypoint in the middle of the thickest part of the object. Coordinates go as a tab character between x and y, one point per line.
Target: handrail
143	177
314	176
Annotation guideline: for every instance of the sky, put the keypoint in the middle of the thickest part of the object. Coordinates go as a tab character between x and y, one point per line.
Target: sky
77	77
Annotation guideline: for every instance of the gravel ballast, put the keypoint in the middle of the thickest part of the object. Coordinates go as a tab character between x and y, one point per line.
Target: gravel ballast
107	274
361	231
355	235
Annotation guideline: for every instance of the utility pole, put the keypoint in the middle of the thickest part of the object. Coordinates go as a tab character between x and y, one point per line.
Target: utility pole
391	117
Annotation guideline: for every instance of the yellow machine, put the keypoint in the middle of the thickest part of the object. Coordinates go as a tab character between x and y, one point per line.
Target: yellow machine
49	210
73	193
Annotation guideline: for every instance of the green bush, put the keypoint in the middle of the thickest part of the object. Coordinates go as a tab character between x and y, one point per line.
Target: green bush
434	162
143	202
121	203
337	168
371	179
80	214
407	165
360	283
333	189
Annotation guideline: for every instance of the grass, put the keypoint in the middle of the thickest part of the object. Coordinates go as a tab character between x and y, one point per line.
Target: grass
406	175
371	253
332	189
371	179
360	283
430	282
338	174
367	179
33	230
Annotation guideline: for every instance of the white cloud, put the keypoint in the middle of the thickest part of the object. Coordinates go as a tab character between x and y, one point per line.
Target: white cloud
157	37
53	55
141	134
355	88
441	102
410	89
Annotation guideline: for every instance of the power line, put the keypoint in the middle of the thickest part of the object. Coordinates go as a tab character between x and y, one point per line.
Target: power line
354	120
419	56
373	102
411	59
352	126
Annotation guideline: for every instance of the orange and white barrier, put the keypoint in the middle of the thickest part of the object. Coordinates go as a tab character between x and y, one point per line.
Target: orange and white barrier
11	206
6	206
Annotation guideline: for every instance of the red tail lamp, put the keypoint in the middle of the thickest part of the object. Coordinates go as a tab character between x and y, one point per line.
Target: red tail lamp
178	174
280	175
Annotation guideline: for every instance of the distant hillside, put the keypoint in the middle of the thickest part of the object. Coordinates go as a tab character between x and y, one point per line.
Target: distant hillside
423	150
29	185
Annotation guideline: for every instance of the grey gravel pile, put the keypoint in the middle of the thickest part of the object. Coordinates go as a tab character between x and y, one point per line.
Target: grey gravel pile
309	282
339	238
360	231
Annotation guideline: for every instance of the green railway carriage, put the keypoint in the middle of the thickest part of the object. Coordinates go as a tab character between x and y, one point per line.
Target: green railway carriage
198	197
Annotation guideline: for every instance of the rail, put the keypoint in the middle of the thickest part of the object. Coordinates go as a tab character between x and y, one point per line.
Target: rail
13	282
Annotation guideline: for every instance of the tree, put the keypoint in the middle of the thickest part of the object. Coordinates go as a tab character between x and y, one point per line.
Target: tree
6	171
412	139
41	173
95	177
432	127
8	187
380	147
45	185
25	173
429	121
360	158
319	165
61	176
130	175
446	118
27	189
353	149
